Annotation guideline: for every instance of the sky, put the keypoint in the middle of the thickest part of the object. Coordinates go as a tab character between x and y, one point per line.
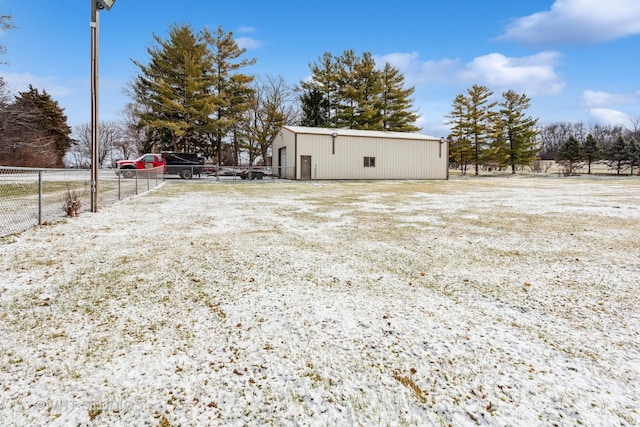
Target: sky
576	59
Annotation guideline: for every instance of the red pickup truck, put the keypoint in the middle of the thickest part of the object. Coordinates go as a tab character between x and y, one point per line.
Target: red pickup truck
184	164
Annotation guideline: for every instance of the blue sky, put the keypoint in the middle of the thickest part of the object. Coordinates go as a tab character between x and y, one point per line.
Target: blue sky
576	59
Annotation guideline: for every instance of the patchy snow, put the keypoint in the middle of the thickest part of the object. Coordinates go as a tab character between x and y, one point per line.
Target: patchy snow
482	301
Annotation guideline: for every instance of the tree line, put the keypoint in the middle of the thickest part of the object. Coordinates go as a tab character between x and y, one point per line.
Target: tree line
489	134
618	149
194	95
492	134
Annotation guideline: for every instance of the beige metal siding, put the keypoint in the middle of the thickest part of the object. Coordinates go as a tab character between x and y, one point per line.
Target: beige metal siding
285	138
397	156
394	158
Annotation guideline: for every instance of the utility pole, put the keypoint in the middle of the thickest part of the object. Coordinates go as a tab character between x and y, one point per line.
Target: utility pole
96	6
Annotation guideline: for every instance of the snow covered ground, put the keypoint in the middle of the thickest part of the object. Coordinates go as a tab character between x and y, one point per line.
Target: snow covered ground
510	301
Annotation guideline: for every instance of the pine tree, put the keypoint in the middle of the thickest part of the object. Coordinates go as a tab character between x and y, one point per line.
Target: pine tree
241	95
358	86
514	143
395	101
480	123
367	82
570	155
314	108
348	91
173	90
231	87
634	154
460	150
356	94
324	79
618	155
592	151
44	130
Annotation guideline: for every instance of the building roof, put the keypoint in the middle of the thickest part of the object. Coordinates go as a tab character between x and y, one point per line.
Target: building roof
364	133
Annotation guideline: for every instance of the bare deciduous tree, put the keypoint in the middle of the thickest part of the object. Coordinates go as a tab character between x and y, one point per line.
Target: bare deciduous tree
132	142
110	139
273	106
5	24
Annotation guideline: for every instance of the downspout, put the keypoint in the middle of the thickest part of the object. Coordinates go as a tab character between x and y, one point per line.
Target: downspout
444	142
295	156
447	157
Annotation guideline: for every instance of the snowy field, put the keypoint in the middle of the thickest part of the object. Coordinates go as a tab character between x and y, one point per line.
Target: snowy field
502	302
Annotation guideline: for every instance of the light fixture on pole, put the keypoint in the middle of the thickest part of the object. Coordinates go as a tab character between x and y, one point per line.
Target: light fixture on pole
105	4
96	6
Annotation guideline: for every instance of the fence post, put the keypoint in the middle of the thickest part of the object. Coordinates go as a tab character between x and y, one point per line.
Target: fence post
119	187
40	197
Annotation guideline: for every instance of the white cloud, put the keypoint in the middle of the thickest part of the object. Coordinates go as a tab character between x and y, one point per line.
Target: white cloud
577	21
592	98
246	30
533	75
401	60
418	72
248	43
19	82
608	116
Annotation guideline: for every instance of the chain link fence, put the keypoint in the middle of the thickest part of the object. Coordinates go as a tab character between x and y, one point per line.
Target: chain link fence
30	197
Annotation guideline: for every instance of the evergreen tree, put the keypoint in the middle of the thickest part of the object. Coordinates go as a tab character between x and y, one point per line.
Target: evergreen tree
592	151
45	134
395	101
514	143
348	91
324	79
570	155
634	154
230	86
16	129
358	85
173	90
242	99
356	94
618	155
480	119
315	108
460	150
367	83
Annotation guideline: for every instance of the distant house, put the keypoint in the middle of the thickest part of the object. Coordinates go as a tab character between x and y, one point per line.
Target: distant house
306	153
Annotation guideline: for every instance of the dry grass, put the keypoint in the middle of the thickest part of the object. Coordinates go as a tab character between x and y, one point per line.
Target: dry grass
496	301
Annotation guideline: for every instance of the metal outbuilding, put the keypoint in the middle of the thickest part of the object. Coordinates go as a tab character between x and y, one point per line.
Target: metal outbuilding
307	153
